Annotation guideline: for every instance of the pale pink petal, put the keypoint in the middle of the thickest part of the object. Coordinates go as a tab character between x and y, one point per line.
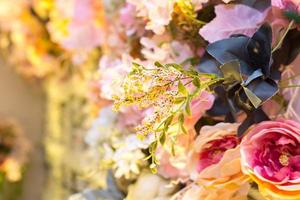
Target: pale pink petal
232	19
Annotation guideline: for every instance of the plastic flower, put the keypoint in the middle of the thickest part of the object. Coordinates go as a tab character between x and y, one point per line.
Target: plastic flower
247	67
196	192
128	157
270	155
112	71
199	105
158	13
215	161
175	167
77	25
150	187
103	127
161	49
289	5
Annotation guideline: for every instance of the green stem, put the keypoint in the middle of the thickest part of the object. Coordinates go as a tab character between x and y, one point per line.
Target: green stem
289	86
282	38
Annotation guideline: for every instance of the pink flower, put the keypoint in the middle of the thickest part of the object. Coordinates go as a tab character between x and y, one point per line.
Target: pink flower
215	159
131	116
198	106
157	13
232	19
174	167
290	5
270	154
76	24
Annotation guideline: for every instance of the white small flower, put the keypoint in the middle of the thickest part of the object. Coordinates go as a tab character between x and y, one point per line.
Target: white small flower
103	127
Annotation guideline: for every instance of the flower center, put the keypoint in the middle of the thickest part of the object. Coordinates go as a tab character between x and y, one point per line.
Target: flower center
284	159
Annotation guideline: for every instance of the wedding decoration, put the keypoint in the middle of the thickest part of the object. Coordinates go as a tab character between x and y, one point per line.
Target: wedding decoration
174	99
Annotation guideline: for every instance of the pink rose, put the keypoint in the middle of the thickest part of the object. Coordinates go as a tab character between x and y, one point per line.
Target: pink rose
270	154
290	5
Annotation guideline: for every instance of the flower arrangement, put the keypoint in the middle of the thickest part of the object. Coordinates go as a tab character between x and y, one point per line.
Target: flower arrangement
207	95
199	98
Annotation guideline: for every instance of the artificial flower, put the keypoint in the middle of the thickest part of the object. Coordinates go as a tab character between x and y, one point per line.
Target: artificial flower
215	161
128	158
246	65
270	155
102	127
230	20
196	192
199	105
77	25
158	13
289	5
113	71
175	167
161	49
150	187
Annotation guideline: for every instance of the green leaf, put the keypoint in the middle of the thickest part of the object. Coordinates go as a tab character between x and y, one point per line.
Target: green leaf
182	89
252	97
181	118
192	73
196	82
162	138
292	15
153	147
187	106
134	64
173	150
158	64
179	100
176	66
232	71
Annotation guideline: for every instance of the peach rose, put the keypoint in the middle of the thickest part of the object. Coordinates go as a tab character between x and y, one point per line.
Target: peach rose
215	161
196	192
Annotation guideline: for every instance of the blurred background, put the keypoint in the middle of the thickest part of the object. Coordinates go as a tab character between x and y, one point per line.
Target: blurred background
45	109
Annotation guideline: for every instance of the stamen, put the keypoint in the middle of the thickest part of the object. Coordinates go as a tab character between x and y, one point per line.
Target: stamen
284	159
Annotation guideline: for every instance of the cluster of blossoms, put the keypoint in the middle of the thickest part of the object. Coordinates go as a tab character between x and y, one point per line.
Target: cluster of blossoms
202	93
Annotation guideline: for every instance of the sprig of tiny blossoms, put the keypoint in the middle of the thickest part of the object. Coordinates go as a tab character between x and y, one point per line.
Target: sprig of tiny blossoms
167	91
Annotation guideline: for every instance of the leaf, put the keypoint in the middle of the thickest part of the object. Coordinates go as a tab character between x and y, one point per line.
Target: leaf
176	66
196	82
187	106
182	89
230	20
231	71
158	64
252	97
293	16
179	100
162	138
168	122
